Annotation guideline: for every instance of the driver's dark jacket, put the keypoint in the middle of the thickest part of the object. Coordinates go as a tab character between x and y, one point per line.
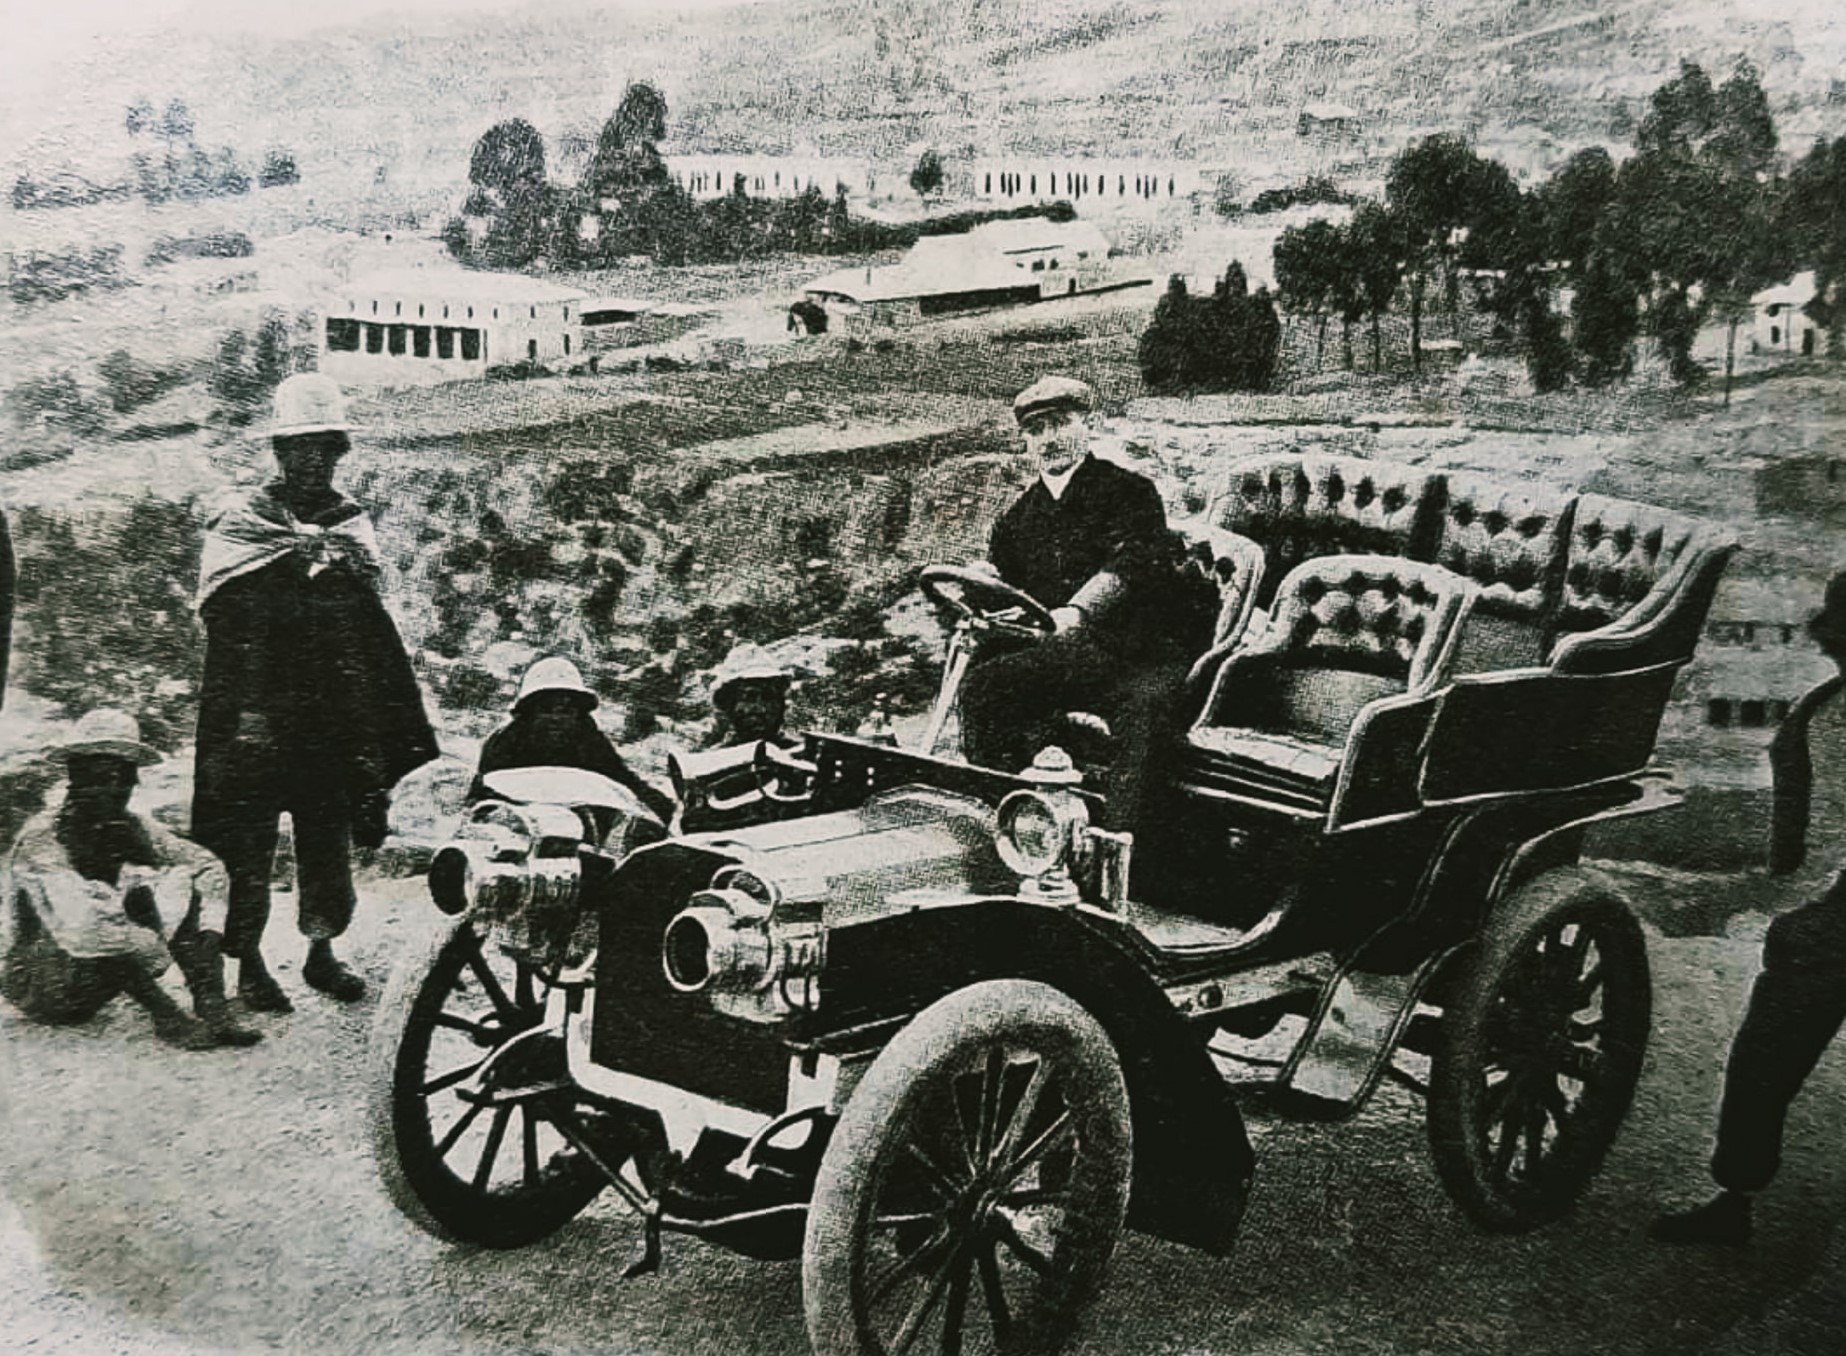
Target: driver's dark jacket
1109	520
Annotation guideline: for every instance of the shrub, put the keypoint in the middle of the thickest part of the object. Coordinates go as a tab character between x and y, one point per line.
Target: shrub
57	398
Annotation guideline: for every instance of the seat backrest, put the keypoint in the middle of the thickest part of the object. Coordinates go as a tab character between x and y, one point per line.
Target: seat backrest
1372	614
1237	563
1304	507
1512	541
1619	551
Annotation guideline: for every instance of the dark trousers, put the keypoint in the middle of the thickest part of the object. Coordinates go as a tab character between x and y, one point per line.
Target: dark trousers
1013	704
1796	1008
324	893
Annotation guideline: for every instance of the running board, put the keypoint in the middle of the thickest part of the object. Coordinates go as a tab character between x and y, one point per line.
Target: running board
1351	1038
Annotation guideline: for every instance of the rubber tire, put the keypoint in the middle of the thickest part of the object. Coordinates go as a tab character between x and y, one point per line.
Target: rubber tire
417	1180
1535	908
936	1041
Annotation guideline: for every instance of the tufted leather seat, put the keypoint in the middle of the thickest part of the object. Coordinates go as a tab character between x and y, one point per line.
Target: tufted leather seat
1301	507
1512	541
1345	632
1619	551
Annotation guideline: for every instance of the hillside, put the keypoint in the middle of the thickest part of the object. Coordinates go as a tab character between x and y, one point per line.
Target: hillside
396	106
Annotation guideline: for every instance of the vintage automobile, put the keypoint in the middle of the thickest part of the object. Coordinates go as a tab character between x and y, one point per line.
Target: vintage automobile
937	1034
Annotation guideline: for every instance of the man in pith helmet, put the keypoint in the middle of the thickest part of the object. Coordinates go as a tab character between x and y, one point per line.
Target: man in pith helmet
552	726
309	706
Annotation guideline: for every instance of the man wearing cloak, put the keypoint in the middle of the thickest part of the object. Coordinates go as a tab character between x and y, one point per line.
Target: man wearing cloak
309	706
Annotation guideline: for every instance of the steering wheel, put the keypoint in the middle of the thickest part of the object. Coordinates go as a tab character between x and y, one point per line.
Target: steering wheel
974	596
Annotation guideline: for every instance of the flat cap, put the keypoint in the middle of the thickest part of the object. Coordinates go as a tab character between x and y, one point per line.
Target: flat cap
1053	393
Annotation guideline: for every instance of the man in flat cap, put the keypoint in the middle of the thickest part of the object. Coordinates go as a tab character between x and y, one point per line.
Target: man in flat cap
1089	540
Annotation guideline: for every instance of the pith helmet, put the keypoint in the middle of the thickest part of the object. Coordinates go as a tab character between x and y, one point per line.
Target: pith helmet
308	402
554	674
105	732
1053	393
747	663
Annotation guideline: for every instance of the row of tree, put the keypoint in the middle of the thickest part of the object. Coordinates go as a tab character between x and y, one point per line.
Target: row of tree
1678	236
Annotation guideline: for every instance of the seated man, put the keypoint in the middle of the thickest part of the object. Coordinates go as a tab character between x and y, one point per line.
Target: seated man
98	899
717	787
1088	540
552	727
750	695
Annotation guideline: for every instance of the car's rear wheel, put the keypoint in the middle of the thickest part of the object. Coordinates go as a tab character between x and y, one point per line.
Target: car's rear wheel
1539	1050
467	1085
976	1183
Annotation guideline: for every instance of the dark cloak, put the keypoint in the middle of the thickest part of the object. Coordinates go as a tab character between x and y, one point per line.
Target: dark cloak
310	666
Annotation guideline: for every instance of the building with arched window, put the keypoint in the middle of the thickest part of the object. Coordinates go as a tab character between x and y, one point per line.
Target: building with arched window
426	325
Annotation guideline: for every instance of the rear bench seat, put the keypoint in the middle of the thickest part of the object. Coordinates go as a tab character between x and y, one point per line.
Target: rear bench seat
1563	584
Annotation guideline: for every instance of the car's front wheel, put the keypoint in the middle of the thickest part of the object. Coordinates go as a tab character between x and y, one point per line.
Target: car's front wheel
468	1083
976	1183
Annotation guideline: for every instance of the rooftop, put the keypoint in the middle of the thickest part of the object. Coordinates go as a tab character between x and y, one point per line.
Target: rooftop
463	283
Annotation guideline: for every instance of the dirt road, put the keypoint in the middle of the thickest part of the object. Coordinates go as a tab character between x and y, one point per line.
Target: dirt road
161	1202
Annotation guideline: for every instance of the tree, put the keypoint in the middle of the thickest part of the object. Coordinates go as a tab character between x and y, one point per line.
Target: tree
1573	201
926	178
1430	188
508	170
1309	266
626	160
139	118
1375	244
509	159
1166	344
278	169
1606	317
176	123
1811	216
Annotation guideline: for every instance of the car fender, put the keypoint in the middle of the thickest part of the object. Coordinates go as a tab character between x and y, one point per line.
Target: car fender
1193	1161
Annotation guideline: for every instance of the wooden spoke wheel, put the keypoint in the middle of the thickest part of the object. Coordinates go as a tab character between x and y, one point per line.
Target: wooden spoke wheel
976	1183
466	1089
1539	1051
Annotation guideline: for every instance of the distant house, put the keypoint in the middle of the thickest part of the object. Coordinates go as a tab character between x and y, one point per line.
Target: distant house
1000	263
1780	324
1328	122
1085	180
427	325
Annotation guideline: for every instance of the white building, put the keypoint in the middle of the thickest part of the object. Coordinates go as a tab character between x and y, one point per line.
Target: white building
769	176
1781	325
427	325
1080	179
999	263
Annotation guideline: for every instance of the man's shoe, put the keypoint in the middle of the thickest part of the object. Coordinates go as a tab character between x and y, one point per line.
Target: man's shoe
179	1028
324	971
257	989
1723	1221
201	961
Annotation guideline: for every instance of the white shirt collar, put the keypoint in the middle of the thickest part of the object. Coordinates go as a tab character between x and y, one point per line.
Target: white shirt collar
1057	483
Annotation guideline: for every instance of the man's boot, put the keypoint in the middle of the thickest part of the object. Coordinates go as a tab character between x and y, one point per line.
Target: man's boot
257	989
200	956
324	971
172	1023
1724	1221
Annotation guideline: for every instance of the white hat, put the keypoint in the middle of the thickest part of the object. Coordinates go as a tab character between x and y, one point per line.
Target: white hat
308	402
554	673
105	732
747	663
